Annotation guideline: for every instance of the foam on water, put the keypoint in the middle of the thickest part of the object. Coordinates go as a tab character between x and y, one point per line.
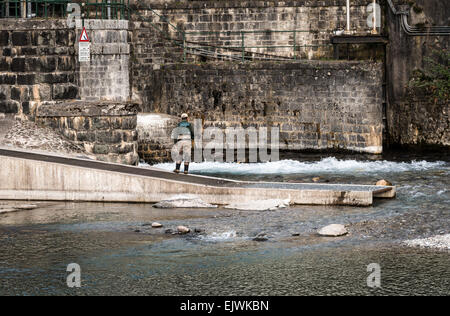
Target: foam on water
220	237
327	165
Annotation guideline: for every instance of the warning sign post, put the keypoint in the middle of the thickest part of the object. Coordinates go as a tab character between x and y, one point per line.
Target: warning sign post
84	45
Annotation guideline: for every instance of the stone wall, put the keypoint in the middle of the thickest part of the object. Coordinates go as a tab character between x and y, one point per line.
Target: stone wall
37	63
418	121
414	118
315	20
40	78
106	129
106	76
317	105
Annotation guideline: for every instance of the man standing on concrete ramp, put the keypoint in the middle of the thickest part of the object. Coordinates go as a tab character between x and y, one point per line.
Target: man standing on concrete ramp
183	137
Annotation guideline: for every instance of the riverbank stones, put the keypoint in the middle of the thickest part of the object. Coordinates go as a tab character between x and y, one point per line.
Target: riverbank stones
384	183
261	237
334	230
182	230
157	225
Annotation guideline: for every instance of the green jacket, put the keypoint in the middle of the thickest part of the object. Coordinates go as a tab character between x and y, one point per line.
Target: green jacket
183	131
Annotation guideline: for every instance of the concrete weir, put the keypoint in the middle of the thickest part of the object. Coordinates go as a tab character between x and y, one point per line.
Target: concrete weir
36	176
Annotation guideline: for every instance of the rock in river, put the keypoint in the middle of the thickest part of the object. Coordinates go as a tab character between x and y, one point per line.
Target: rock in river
157	225
26	207
384	183
334	230
183	230
184	201
7	210
261	237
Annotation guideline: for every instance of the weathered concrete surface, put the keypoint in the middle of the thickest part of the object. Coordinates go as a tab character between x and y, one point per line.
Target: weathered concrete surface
259	205
37	179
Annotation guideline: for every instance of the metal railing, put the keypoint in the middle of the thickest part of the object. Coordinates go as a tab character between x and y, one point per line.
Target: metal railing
120	9
210	50
33	8
242	35
104	9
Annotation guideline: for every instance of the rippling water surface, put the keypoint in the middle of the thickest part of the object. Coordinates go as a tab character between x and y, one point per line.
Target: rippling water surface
120	254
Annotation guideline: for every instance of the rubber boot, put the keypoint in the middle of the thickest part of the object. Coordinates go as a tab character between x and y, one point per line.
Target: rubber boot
177	168
186	168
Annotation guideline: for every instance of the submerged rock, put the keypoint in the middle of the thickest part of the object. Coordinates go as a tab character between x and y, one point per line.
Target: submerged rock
183	230
261	237
7	210
334	230
184	201
384	183
26	207
262	205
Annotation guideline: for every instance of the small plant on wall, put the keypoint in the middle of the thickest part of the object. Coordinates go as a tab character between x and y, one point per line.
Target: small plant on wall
435	76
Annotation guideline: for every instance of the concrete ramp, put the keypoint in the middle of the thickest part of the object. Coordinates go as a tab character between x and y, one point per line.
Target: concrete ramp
39	176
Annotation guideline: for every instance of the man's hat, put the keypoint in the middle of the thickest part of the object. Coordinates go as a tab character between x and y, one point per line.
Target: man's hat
184	116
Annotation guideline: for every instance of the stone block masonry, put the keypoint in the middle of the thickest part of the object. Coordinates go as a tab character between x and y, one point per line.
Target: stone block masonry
317	105
106	76
415	118
40	78
37	63
419	122
105	129
315	20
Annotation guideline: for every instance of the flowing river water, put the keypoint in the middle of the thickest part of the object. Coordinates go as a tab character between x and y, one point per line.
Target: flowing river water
119	254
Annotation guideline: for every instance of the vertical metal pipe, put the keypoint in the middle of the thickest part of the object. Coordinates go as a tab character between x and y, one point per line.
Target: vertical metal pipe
295	45
374	30
29	12
243	46
184	47
23	9
109	10
348	16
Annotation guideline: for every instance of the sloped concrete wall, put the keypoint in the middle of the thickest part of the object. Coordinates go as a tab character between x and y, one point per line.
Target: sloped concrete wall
23	179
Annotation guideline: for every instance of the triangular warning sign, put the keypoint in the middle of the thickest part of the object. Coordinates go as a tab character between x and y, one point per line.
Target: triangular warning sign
84	36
